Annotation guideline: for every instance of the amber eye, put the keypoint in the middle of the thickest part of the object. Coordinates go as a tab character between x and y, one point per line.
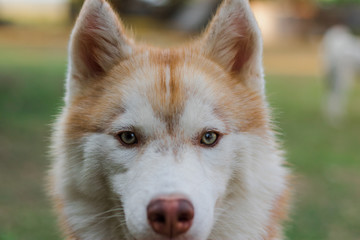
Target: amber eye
128	138
209	138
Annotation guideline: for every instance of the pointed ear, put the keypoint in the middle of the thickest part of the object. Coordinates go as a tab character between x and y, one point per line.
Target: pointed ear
233	40
97	42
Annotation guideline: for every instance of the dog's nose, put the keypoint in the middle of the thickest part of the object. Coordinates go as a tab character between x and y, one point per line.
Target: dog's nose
170	217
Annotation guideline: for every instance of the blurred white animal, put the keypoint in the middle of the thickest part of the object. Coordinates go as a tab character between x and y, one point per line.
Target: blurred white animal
341	52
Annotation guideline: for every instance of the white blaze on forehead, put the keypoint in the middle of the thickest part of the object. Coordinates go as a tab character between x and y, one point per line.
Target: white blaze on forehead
202	100
139	114
138	111
199	115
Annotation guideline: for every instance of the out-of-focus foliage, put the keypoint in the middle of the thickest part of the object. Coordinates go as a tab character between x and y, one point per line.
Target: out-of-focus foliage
158	8
339	1
319	1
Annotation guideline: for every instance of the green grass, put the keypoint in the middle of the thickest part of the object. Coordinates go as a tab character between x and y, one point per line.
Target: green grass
31	85
325	159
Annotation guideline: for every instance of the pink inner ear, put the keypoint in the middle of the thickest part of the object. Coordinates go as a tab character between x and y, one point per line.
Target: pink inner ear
244	42
89	45
244	50
94	44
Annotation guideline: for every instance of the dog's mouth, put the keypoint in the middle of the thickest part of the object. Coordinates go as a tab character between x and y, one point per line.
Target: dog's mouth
161	238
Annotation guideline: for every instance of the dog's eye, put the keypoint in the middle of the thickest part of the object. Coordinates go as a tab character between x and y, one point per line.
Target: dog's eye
209	138
127	138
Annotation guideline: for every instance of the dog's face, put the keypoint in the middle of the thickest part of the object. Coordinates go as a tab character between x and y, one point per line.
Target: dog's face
158	133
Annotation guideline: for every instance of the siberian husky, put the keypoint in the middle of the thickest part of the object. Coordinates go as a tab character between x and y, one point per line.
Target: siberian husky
157	144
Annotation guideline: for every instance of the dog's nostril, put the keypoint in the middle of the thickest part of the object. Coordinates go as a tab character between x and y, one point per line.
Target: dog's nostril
160	218
170	217
185	211
184	217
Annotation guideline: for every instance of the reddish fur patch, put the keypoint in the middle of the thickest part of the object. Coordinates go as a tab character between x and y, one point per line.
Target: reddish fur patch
58	206
244	44
66	229
278	215
168	100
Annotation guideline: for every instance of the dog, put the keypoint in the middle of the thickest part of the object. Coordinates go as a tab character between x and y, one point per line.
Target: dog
341	57
158	144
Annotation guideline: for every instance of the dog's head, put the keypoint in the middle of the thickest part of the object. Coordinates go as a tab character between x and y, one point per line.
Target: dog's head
159	135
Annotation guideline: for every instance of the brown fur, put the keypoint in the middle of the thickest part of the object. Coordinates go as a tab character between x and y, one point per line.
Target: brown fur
279	214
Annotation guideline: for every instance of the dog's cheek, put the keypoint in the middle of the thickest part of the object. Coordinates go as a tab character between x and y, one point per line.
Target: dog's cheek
87	173
218	162
134	198
102	158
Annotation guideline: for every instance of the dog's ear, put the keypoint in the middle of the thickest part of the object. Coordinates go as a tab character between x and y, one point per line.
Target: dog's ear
97	42
233	40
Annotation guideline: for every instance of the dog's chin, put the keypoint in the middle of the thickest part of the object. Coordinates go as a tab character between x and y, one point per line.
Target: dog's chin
159	237
150	235
167	238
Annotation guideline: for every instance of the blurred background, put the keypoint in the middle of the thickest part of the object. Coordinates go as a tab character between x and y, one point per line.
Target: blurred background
322	149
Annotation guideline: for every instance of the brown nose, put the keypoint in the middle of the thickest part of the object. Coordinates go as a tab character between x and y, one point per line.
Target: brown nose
170	217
